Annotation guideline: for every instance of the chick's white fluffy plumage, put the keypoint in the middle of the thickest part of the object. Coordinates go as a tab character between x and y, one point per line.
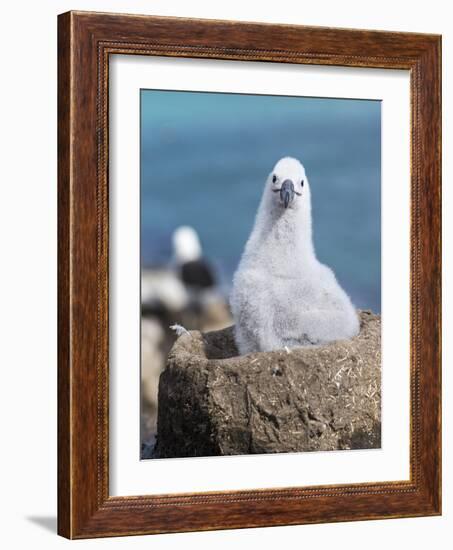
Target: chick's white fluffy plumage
282	295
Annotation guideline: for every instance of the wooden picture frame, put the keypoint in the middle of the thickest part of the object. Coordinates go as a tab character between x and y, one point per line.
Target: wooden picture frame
85	42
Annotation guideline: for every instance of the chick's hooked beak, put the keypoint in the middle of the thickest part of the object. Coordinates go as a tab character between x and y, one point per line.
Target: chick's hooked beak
287	192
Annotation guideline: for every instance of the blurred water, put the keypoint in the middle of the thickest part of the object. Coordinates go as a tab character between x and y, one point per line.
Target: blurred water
205	157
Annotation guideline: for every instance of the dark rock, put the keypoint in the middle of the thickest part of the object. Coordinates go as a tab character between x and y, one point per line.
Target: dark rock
214	402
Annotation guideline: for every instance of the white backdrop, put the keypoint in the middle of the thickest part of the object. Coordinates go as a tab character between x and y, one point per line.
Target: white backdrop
28	269
128	475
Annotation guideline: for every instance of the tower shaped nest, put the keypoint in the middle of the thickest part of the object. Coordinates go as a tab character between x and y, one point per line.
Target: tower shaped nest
320	398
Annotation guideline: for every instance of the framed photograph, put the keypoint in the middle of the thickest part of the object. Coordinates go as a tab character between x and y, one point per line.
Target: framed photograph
249	275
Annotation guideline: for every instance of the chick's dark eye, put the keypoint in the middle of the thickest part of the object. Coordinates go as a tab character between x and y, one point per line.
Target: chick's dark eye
274	178
302	183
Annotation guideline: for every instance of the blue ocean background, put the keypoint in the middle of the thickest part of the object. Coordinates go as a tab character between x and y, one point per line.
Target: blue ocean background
205	158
